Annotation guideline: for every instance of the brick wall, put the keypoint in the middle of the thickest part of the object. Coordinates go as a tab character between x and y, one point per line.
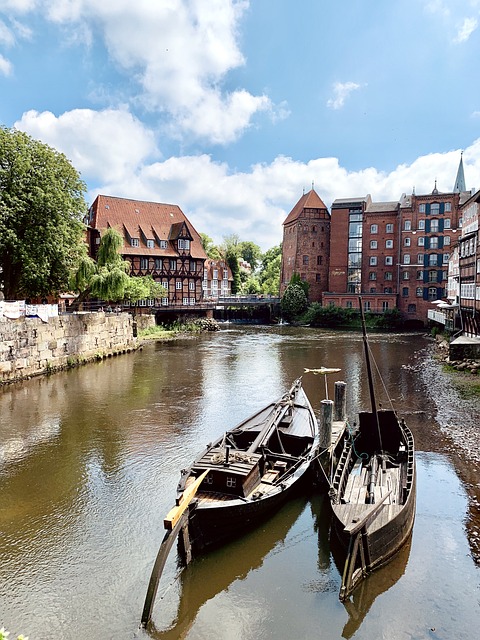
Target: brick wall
30	347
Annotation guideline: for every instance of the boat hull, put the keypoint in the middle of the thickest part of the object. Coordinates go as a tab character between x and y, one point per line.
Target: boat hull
211	525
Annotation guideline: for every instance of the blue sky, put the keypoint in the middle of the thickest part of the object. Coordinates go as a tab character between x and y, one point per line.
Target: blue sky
232	108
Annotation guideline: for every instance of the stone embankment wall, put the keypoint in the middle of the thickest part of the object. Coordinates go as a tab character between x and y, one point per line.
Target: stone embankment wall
30	347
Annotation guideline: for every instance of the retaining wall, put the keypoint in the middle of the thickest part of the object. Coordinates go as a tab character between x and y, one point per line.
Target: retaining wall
30	347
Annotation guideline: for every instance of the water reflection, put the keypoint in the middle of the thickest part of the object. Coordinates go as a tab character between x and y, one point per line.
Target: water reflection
90	459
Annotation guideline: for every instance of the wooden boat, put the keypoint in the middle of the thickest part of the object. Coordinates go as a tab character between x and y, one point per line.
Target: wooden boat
248	472
373	491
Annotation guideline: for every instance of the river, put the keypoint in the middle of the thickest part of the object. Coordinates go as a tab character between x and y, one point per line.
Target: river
89	462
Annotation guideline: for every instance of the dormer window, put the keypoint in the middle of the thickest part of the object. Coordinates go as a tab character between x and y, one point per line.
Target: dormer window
183	244
135	242
150	244
163	244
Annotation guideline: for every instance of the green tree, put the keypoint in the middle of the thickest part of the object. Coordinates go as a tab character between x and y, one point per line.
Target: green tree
231	258
250	252
211	249
41	210
294	302
296	279
107	278
269	275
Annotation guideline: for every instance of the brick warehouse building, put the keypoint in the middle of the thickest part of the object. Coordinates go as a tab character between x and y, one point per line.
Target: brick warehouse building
306	244
394	254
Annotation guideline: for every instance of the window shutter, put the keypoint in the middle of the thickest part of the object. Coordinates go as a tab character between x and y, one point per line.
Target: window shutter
425	278
427	243
425	293
427	208
442	207
440	240
427	225
425	260
439	275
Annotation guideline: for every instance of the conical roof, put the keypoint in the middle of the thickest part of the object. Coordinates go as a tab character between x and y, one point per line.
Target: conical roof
460	179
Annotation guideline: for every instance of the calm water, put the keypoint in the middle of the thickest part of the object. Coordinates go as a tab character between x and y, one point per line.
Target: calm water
89	462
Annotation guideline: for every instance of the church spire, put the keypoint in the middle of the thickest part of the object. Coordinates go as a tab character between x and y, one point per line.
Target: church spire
460	179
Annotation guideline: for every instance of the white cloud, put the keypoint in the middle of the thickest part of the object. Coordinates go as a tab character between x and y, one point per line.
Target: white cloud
341	91
5	66
180	53
102	145
466	29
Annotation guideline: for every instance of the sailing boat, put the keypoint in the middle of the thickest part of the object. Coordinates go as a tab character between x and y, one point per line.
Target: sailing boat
374	489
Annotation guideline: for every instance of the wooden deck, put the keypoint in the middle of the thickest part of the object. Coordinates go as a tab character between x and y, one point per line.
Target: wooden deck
354	504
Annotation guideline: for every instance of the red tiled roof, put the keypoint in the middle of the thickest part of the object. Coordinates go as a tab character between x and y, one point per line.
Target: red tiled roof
310	200
153	220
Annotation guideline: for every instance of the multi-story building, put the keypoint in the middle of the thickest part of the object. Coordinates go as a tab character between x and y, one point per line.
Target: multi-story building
468	290
306	244
393	254
217	279
158	241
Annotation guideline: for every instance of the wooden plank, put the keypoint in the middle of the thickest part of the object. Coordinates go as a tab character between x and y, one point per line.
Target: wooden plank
174	515
369	512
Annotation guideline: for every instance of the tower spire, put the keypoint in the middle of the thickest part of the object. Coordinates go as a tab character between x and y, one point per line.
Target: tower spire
460	179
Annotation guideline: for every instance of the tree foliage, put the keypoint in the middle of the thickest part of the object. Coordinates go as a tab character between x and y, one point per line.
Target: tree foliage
41	210
294	302
250	252
107	278
211	249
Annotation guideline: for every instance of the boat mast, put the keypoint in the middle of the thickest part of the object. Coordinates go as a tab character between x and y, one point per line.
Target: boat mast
369	372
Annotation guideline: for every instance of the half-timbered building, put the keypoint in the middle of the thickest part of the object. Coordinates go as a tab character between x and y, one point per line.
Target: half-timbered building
158	240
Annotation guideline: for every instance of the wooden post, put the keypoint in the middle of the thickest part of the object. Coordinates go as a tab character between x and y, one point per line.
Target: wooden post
340	411
326	414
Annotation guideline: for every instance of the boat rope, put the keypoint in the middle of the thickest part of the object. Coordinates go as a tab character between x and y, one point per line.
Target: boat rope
351	436
234	456
383	383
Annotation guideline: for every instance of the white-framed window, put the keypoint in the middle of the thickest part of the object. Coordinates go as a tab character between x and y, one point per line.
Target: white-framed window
419	275
388	244
388	260
215	274
432	259
406	275
420	258
407	225
163	244
185	301
373	244
448	207
366	305
204	285
143	263
421	208
193	266
434	209
142	303
389	228
178	285
165	284
406	258
421	241
173	264
158	264
447	223
432	276
135	242
374	228
373	261
432	293
385	305
407	242
225	273
164	302
434	242
191	286
183	243
372	275
434	225
150	244
419	292
446	258
421	223
388	275
192	301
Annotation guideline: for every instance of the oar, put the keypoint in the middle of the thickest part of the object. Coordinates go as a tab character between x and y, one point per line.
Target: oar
175	520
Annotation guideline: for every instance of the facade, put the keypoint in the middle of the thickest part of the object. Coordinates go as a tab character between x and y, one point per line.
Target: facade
468	291
217	279
394	254
159	241
306	244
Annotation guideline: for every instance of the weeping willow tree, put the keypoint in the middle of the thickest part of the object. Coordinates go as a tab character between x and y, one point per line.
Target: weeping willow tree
107	278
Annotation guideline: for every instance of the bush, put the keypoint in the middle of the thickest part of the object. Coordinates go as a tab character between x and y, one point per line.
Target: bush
294	302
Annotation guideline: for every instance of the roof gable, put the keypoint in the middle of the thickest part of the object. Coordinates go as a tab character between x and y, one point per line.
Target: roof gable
310	200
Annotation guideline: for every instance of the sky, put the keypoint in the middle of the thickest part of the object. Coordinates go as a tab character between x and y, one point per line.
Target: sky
232	109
